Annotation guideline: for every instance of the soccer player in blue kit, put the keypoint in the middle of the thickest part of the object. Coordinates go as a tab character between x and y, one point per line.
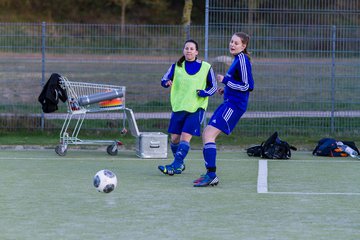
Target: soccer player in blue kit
238	83
192	81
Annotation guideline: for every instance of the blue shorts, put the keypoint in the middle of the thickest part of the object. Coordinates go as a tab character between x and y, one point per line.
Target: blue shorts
186	122
225	117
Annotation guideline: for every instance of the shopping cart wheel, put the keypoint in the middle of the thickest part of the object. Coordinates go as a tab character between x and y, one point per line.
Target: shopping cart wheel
112	149
60	150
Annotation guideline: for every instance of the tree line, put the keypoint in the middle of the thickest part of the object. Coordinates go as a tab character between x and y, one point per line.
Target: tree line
101	11
324	12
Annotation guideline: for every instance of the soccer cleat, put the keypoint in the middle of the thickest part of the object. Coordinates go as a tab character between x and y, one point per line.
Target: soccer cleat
170	170
182	167
206	181
199	179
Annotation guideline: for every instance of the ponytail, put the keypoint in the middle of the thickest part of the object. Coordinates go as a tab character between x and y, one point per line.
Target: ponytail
247	53
180	61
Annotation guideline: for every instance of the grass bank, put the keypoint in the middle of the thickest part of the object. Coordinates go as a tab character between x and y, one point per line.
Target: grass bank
234	141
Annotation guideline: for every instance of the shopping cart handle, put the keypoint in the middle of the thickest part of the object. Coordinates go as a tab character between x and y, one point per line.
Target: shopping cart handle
98	97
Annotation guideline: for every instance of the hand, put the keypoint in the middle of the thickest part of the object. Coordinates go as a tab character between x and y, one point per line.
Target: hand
201	93
220	91
168	83
219	78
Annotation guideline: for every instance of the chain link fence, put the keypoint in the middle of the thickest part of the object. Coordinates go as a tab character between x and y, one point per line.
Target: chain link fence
306	69
305	57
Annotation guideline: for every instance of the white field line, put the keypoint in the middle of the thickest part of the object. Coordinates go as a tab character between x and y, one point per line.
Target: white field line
314	193
262	181
317	161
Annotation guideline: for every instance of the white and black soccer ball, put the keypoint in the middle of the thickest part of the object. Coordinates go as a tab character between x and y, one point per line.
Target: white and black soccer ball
105	181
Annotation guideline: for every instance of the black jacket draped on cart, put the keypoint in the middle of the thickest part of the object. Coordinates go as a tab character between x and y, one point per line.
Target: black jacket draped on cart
51	93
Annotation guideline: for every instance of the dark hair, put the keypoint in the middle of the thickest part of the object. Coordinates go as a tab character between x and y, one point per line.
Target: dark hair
182	59
245	39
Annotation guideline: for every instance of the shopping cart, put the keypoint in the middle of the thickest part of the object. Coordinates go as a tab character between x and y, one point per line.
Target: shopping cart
84	98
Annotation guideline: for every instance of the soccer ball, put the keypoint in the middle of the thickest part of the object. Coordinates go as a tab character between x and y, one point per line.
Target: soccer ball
105	181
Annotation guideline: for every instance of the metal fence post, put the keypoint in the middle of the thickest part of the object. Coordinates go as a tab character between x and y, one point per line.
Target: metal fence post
206	30
206	45
333	79
43	38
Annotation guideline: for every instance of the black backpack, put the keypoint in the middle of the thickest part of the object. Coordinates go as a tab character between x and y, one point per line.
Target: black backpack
328	147
272	148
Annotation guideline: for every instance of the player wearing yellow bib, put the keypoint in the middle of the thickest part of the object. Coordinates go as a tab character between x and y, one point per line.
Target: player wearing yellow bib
192	81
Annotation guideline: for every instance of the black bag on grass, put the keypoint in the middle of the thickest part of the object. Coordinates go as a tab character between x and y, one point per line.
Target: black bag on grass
254	151
272	148
328	147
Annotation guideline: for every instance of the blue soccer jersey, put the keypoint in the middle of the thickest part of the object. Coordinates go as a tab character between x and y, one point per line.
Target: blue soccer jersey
238	83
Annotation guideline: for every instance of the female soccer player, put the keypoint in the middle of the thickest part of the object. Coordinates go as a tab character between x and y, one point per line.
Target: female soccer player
238	83
192	81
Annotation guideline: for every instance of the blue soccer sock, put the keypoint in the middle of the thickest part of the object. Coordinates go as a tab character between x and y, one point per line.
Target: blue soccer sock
174	148
181	153
209	152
